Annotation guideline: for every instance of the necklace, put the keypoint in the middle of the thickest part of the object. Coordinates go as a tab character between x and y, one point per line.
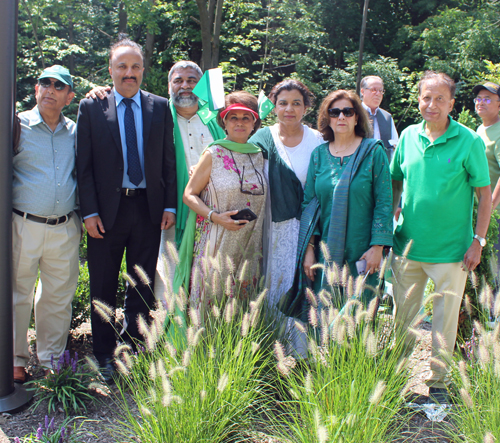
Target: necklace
345	149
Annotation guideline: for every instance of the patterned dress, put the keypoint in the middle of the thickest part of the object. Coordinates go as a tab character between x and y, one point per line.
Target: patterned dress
236	182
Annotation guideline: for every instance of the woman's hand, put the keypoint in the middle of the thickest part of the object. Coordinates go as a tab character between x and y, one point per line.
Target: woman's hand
98	92
227	222
373	258
309	260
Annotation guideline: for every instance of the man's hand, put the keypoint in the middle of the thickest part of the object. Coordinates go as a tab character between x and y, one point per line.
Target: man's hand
98	92
168	220
94	226
473	256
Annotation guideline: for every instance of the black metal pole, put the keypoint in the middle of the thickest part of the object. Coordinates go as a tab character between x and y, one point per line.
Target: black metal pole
12	395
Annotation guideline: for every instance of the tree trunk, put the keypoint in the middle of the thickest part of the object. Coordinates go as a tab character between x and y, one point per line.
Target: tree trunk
210	23
148	51
361	45
150	42
122	19
71	40
216	36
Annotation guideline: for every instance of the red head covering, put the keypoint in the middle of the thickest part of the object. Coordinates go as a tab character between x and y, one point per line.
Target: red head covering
238	107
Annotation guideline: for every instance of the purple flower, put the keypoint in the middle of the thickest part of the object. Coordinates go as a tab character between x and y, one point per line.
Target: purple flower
39	433
52	360
51	425
73	365
63	431
46	422
16	440
66	357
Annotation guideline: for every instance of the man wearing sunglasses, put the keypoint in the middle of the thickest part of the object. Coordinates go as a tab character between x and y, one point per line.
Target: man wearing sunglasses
487	102
45	229
372	93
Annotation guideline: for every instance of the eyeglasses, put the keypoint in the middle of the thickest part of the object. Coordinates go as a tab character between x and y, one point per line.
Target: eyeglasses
375	90
335	112
486	100
242	176
46	82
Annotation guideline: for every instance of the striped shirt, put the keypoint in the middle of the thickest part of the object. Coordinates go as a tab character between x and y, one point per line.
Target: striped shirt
44	176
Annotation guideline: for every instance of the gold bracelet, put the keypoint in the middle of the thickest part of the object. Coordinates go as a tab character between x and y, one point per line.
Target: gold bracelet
312	245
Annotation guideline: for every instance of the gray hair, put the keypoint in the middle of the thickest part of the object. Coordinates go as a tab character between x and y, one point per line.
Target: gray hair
183	64
365	80
439	77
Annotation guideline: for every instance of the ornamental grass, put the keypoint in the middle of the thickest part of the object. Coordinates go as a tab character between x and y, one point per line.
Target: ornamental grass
476	378
353	387
204	380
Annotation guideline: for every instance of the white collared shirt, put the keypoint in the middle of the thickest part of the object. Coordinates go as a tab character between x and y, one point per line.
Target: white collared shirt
195	138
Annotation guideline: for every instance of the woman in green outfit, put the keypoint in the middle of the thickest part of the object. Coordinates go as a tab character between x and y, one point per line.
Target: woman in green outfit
347	199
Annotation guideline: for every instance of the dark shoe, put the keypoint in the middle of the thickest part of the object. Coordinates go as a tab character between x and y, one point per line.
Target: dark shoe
19	374
108	370
439	396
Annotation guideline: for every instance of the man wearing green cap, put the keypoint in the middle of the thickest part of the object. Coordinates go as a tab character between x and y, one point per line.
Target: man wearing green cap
45	229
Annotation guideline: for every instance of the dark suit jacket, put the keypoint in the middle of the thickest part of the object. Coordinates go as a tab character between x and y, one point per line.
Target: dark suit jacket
99	160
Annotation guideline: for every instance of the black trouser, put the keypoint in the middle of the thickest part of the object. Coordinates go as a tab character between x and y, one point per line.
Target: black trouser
134	231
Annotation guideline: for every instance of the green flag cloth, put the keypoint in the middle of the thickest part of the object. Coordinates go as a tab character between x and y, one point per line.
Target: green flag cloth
210	89
205	114
182	274
265	105
182	171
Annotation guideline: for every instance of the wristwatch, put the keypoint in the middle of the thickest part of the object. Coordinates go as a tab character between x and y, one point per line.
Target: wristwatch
481	240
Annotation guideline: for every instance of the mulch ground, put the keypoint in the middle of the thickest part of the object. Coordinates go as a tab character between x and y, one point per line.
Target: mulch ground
102	419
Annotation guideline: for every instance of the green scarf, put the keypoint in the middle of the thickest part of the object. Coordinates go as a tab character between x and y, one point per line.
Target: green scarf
182	171
285	188
182	274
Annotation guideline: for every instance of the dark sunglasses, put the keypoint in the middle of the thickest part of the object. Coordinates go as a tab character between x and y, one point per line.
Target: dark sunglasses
335	112
46	82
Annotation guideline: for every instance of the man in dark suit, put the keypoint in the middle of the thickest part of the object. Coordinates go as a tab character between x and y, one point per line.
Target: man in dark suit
127	187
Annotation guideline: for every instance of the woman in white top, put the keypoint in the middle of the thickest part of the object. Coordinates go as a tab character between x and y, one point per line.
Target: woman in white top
287	146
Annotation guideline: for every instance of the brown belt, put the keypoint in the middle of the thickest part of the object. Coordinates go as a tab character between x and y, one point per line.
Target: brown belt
45	220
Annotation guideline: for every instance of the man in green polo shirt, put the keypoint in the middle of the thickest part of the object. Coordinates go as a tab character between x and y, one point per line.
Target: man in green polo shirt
439	163
487	103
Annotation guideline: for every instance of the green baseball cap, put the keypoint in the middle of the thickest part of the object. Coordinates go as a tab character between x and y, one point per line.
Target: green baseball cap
59	72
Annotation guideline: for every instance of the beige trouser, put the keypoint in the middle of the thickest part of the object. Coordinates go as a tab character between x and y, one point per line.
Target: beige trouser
447	277
54	251
165	268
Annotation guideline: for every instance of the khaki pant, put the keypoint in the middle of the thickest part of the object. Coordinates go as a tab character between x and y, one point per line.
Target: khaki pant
52	250
165	268
447	277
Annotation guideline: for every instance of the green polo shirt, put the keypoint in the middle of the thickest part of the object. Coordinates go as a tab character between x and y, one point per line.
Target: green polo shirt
491	138
438	183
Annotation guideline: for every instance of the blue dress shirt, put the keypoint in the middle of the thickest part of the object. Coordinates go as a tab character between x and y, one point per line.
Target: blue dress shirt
120	113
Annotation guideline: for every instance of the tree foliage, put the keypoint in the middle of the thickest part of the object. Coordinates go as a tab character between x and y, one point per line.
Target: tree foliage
263	41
